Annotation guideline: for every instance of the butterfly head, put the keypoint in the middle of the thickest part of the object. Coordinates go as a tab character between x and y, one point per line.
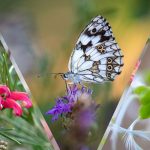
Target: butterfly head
71	76
65	76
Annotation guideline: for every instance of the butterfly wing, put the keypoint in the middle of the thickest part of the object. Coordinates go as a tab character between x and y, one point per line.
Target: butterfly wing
96	57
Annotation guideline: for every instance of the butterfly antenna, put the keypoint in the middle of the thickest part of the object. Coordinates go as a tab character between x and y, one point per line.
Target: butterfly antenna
49	74
55	74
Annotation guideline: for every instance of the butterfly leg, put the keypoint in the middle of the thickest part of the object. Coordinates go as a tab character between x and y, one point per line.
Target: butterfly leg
82	85
67	84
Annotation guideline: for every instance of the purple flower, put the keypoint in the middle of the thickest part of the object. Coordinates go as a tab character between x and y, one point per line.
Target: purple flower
60	108
86	117
65	104
79	115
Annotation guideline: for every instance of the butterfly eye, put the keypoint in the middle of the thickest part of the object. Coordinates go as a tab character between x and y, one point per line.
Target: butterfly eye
109	67
65	76
93	31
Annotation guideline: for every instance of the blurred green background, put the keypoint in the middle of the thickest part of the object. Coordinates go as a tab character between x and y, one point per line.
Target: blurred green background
41	35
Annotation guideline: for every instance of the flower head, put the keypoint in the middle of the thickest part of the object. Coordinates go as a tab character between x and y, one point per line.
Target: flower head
78	112
65	104
86	116
8	99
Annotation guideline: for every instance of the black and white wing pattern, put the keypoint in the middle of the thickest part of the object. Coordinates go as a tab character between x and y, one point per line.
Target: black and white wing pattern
96	56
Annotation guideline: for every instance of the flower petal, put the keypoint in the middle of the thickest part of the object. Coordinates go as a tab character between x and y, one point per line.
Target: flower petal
10	103
1	106
4	90
22	96
65	104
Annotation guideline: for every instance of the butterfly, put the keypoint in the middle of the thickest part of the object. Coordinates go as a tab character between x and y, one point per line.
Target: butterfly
96	57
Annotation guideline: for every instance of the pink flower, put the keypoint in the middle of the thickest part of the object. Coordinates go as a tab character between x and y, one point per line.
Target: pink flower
8	99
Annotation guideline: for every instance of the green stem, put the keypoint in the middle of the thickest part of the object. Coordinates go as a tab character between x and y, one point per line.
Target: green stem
11	138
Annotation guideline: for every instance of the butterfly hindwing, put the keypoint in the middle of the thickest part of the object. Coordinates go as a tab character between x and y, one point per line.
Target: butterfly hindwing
96	57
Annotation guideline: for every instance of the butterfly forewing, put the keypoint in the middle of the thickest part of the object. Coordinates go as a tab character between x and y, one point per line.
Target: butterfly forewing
96	56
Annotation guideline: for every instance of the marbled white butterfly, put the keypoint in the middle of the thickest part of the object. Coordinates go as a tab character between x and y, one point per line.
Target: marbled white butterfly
96	57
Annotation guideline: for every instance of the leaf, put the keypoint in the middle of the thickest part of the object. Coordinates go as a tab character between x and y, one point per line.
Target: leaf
9	137
145	98
140	90
144	111
144	94
5	129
